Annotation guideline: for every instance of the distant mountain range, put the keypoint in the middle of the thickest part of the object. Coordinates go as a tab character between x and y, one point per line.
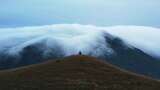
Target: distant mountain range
31	47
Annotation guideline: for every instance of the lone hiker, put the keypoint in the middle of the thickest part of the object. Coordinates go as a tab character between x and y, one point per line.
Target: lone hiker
80	53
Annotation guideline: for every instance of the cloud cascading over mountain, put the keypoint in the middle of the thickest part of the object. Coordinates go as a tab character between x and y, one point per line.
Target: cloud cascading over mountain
132	44
69	38
74	37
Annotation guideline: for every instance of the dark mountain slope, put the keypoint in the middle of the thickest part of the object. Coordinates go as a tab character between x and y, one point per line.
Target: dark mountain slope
74	73
132	59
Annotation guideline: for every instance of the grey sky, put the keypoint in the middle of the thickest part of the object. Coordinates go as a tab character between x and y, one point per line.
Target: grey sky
97	12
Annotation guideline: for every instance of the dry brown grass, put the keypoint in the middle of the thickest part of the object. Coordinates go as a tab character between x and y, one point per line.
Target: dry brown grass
74	73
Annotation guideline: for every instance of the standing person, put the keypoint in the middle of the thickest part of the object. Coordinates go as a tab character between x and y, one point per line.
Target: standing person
80	53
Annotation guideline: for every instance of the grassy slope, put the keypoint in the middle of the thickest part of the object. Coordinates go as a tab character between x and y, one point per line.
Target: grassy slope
74	73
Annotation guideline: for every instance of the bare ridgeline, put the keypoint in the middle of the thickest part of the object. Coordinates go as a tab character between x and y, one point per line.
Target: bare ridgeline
74	73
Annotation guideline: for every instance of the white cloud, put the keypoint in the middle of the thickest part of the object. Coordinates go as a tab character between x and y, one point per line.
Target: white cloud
74	38
144	38
71	37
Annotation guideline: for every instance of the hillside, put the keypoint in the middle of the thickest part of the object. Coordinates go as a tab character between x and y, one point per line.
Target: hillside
74	73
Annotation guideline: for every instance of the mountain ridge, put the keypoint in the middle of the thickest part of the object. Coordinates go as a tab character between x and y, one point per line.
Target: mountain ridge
74	72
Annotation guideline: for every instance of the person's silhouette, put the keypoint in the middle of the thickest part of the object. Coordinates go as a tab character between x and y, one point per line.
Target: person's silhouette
80	53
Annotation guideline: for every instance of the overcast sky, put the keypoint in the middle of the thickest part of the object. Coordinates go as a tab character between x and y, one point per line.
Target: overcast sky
97	12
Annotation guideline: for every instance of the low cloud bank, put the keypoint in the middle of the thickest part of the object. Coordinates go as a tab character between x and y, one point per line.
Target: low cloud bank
73	38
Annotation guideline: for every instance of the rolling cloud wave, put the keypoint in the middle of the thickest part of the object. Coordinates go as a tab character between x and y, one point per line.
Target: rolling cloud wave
72	38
